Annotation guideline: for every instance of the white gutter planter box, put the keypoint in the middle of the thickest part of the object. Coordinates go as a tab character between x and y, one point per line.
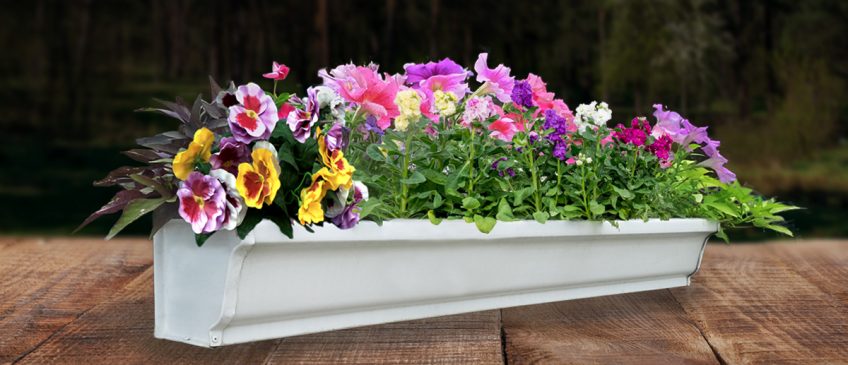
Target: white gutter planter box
269	286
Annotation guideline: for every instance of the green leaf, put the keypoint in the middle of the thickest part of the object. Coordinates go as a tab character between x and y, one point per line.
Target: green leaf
521	194
470	203
134	210
541	217
436	177
250	221
486	224
624	193
200	239
373	151
504	211
284	223
779	229
433	219
416	178
285	154
724	208
437	200
596	209
146	181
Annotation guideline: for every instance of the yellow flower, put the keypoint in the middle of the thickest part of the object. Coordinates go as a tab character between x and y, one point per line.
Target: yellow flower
200	149
445	102
337	171
258	182
310	210
409	105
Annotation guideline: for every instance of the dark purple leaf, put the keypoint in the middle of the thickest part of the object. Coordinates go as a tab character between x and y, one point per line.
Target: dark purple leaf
145	155
118	202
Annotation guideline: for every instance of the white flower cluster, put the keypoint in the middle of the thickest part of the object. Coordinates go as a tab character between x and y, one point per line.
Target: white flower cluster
592	114
330	99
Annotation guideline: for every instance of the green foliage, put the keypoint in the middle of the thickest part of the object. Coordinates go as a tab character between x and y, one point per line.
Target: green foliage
463	173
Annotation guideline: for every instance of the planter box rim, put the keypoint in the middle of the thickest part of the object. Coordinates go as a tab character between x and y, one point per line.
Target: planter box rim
399	230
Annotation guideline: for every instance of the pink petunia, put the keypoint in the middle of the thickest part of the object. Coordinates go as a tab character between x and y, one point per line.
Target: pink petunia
495	80
541	96
503	129
365	87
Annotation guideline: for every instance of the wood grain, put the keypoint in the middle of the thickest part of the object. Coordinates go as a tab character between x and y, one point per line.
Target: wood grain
472	338
120	331
49	283
823	263
638	328
755	308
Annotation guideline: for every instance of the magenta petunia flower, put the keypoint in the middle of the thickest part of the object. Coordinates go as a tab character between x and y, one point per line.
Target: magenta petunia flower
496	81
278	72
365	87
202	202
255	117
231	153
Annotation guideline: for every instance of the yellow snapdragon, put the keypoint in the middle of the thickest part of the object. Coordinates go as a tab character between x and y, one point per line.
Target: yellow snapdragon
409	105
445	102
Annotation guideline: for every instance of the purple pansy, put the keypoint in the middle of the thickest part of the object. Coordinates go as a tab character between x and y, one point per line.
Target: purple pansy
202	202
230	155
337	137
255	117
301	120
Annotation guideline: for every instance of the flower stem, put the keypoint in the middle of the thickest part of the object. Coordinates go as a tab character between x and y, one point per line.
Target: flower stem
404	188
471	164
275	89
534	176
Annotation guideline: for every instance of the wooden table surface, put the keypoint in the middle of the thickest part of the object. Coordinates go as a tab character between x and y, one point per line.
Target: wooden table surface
86	301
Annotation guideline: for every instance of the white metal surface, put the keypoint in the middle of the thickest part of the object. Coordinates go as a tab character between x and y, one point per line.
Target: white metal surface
267	285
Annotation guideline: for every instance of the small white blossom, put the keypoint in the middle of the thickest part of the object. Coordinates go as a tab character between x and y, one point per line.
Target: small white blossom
592	114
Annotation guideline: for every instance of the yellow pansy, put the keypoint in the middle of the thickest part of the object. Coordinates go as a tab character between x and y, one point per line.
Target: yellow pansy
200	149
337	171
310	210
258	182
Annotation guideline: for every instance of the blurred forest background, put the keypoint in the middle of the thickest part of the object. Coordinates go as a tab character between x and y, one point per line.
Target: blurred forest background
768	76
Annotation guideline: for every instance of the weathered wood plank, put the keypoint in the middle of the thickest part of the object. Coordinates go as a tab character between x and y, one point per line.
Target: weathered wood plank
120	331
461	339
637	328
49	283
823	263
755	308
